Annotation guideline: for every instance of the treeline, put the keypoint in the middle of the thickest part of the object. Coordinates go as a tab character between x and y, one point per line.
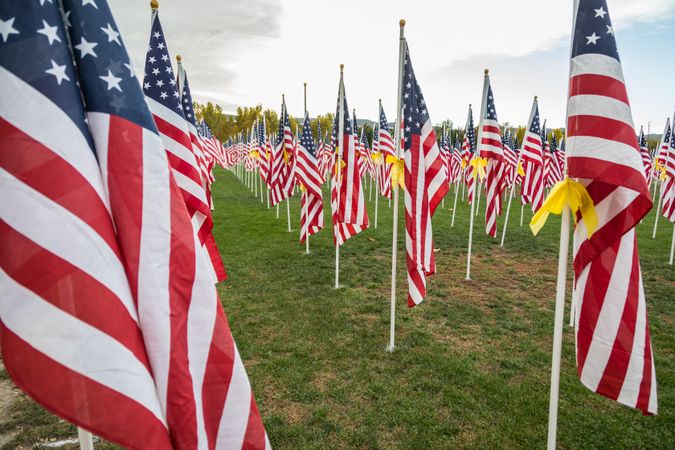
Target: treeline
229	126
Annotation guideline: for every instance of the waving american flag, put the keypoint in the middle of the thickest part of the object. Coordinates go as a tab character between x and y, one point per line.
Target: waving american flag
425	183
613	348
490	148
307	172
108	223
532	155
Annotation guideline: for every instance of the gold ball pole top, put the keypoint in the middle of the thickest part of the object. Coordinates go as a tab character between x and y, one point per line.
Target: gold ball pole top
305	84
536	97
179	58
486	71
154	4
342	66
401	23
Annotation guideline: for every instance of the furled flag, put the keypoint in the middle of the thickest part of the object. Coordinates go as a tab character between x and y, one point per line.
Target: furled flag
468	153
510	160
613	348
425	183
265	150
307	172
644	152
366	153
490	148
283	161
444	148
107	223
532	155
668	188
348	206
552	170
456	161
663	146
386	149
163	97
209	243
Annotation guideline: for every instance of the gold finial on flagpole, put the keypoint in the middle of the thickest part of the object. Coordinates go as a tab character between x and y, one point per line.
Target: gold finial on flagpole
178	58
401	23
154	4
342	66
486	71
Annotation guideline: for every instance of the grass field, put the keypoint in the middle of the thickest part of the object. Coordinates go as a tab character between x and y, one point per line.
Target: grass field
472	363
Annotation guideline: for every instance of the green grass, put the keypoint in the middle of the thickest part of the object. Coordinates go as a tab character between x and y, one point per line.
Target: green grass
472	363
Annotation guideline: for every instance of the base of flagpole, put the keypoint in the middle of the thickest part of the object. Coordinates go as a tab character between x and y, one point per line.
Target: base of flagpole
86	439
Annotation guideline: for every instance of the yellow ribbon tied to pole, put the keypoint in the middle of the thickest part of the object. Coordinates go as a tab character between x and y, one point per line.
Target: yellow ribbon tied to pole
567	193
479	164
254	154
303	189
377	158
287	156
343	164
521	171
397	170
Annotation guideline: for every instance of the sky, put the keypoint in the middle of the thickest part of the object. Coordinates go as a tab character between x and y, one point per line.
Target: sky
244	53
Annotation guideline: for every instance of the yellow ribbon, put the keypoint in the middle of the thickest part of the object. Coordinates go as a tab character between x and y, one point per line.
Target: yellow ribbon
303	189
567	193
397	170
343	164
521	171
287	156
254	154
662	177
464	163
377	158
479	164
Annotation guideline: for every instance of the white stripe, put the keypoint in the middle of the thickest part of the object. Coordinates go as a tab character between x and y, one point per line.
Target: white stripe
233	423
614	152
609	318
30	111
154	262
69	237
188	185
596	64
76	345
168	115
601	106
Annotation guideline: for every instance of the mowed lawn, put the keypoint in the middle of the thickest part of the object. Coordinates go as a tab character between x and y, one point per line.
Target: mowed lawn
472	363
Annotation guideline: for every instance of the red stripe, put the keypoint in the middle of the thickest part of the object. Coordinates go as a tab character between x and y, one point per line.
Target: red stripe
29	161
594	84
79	399
169	130
254	439
602	127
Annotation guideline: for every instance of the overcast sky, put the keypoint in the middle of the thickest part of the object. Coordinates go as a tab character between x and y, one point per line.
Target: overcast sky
250	52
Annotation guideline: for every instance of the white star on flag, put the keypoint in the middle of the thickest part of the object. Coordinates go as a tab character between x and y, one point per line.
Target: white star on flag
112	34
86	48
7	28
112	81
59	72
50	32
592	39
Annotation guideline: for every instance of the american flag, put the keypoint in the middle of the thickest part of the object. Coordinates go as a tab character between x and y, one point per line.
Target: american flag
490	148
307	172
206	168
349	210
456	161
468	152
510	160
644	152
444	148
106	221
552	171
366	153
283	161
663	147
532	155
613	348
385	147
425	183
668	187
265	150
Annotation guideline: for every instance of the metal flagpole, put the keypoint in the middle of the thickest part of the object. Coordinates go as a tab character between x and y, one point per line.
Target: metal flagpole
475	173
305	193
394	186
443	136
672	247
454	206
338	163
515	177
378	172
86	439
558	327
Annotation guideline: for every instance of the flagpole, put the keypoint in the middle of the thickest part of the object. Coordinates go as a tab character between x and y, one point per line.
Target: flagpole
513	186
86	439
475	174
442	137
305	193
558	328
338	163
461	179
377	172
394	186
672	247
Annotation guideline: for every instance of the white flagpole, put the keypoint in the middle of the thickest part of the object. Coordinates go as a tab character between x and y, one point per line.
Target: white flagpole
378	172
463	186
338	163
515	177
672	246
305	193
522	212
454	206
486	82
377	194
558	328
394	186
288	212
86	439
479	184
442	136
